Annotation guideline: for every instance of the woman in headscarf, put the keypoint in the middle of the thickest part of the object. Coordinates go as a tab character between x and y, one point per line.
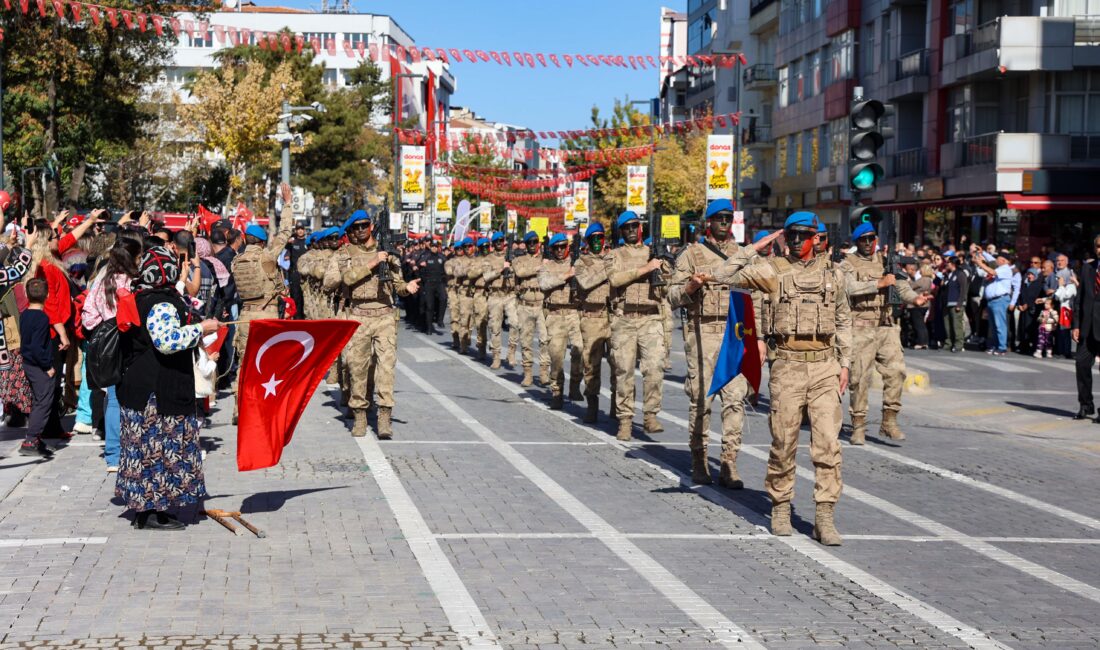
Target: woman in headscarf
161	463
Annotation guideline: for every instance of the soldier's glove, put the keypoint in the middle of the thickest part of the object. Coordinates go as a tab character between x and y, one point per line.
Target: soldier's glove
355	275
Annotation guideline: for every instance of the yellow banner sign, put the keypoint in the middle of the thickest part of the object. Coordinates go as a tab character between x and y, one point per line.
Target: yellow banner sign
670	226
636	179
719	167
539	225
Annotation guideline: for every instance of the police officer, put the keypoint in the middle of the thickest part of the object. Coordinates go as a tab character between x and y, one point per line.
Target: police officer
451	268
594	291
707	306
496	272
479	319
433	289
636	325
811	325
530	320
562	321
876	336
297	246
259	280
357	271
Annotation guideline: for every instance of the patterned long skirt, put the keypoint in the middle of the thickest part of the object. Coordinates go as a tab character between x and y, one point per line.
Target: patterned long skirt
15	390
161	462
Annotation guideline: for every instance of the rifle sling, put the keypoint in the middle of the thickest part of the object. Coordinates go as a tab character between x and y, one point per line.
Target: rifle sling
714	250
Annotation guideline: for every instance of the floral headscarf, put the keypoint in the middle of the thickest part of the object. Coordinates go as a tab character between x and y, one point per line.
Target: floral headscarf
206	252
159	269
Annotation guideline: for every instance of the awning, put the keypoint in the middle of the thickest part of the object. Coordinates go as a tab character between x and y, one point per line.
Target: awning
1047	202
946	202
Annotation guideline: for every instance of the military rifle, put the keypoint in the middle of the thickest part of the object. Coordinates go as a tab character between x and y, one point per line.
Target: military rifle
890	267
574	255
509	255
656	278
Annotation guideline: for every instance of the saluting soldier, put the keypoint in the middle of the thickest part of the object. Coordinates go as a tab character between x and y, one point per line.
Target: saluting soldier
707	305
812	333
530	320
356	271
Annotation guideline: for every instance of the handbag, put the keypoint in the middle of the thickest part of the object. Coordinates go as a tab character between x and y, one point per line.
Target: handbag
104	367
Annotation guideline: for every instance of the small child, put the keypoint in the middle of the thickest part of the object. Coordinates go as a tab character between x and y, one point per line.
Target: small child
1048	323
37	351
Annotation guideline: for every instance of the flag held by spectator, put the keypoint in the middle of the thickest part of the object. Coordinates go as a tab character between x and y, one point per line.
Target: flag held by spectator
739	354
207	219
284	362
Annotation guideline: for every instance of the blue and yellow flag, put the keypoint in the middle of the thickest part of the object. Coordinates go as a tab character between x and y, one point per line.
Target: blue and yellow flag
739	354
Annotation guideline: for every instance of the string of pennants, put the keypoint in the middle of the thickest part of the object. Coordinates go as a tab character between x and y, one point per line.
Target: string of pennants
605	156
500	171
567	179
135	19
499	196
417	136
536	211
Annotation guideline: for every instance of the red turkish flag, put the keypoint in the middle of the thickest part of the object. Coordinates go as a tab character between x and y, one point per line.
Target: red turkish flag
207	218
284	362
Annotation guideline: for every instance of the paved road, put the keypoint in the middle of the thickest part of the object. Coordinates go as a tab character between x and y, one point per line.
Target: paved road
493	522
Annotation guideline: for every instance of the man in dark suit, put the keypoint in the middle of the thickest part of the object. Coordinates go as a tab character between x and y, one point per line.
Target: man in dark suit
1086	330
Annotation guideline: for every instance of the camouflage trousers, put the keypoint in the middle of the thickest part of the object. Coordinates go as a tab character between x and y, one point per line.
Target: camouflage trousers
596	346
370	358
702	343
465	316
876	347
453	301
500	305
667	316
814	387
531	323
633	337
564	328
479	317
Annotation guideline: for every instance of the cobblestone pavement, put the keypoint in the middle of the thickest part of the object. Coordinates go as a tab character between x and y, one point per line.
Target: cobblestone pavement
491	521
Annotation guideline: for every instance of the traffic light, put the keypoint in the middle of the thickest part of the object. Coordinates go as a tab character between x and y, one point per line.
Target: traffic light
865	214
866	137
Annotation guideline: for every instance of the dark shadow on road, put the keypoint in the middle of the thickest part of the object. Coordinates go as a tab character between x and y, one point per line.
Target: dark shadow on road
1039	408
275	499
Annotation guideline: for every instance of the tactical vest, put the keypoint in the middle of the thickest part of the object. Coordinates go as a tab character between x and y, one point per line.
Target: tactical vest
256	274
495	261
715	298
639	294
868	306
528	288
805	304
479	263
598	296
371	289
449	268
563	295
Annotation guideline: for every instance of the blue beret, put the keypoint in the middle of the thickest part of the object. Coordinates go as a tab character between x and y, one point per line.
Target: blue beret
531	235
256	231
594	228
760	235
466	241
482	241
358	215
648	241
497	236
626	218
803	219
329	232
863	229
721	205
558	238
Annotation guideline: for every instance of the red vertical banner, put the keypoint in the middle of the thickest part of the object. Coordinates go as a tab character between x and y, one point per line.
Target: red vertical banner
395	69
429	104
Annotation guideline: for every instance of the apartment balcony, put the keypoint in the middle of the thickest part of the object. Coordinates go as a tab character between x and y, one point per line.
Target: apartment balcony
763	16
911	162
909	76
759	76
757	137
1021	44
1012	152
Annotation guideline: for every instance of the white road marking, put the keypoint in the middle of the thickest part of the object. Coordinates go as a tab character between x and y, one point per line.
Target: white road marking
921	363
1012	495
893	595
706	616
561	443
457	603
51	541
765	536
426	354
995	391
1001	366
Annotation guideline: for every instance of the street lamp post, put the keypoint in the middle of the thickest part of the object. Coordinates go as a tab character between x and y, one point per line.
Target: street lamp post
285	137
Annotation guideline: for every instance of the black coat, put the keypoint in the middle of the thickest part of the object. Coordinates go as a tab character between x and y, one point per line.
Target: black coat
1086	307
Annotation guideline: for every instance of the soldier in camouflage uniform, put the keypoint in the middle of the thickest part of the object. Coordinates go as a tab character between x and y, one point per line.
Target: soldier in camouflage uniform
479	294
259	280
357	271
451	268
465	288
811	324
636	325
500	284
562	320
762	305
530	320
594	295
320	304
704	330
876	336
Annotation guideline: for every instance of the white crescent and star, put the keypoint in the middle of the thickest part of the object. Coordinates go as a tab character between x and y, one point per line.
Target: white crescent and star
296	335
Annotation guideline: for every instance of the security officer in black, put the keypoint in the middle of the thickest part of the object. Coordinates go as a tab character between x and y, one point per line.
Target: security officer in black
433	286
296	247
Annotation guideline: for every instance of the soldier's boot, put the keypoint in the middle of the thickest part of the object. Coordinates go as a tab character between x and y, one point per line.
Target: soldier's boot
889	426
385	429
859	430
592	412
651	424
824	528
729	478
496	362
359	429
625	425
456	341
464	344
781	519
700	467
556	402
544	377
575	393
481	352
528	377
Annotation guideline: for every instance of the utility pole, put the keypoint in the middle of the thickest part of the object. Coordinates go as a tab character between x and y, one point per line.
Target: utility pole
284	137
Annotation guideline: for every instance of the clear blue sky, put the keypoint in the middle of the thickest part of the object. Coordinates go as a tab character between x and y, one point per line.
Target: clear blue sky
543	98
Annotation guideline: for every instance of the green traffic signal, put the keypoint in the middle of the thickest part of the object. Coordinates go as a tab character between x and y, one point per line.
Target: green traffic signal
866	214
863	177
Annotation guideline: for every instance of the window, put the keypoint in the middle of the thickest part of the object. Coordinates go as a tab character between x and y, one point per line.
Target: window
867	49
838	136
700	32
815	74
356	39
784	84
781	157
794	158
1070	8
796	81
824	155
961	16
202	39
886	56
1075	102
840	56
958	118
694	5
330	77
808	151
